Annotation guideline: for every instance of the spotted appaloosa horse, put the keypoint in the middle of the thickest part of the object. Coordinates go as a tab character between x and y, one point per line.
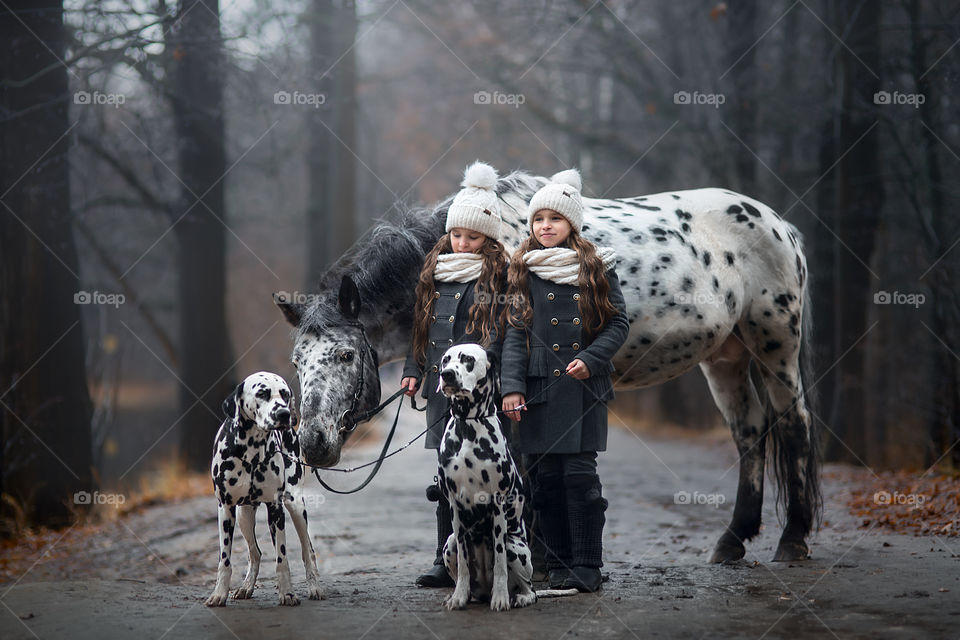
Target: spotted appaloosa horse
710	277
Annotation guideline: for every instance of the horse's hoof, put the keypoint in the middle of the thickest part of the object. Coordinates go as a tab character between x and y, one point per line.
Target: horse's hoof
790	551
727	552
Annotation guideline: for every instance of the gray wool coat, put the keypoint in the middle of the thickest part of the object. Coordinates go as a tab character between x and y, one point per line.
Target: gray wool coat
451	311
569	416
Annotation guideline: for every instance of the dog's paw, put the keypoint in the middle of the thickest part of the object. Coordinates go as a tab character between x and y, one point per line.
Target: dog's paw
315	592
500	601
456	601
217	600
243	593
524	600
289	600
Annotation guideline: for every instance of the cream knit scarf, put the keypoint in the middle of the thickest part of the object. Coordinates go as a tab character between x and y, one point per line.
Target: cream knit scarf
562	265
458	267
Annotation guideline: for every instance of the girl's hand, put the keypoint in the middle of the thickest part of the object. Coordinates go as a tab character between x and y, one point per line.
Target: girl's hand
578	369
510	403
410	385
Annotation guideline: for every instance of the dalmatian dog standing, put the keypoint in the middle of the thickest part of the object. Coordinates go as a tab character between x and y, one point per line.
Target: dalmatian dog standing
487	553
252	465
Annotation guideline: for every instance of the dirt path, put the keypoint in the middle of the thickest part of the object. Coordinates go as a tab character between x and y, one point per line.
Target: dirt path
146	576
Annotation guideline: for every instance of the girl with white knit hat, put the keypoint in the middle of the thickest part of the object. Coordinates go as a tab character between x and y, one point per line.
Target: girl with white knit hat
567	321
462	278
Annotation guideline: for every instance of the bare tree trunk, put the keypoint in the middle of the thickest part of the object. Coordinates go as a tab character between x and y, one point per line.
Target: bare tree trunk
46	408
331	214
196	93
859	194
945	429
741	49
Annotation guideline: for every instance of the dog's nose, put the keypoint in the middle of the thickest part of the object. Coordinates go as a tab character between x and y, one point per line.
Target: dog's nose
449	376
284	416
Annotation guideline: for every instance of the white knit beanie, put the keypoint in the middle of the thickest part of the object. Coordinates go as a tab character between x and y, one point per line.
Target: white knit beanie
476	206
561	195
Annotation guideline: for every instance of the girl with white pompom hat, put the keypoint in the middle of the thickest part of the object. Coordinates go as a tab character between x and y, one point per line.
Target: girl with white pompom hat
461	281
567	322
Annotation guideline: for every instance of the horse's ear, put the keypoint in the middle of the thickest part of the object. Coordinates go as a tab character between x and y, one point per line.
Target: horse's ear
349	298
230	403
292	311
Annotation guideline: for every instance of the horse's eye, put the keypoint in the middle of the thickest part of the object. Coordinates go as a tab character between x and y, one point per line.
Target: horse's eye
346	356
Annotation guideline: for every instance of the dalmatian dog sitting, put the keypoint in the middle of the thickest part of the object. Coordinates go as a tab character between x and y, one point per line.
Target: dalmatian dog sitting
487	553
255	461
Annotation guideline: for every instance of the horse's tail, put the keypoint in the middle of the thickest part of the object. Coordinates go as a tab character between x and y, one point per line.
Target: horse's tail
782	457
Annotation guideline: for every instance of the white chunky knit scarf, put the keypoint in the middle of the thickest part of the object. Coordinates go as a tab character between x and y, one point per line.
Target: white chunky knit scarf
458	267
562	265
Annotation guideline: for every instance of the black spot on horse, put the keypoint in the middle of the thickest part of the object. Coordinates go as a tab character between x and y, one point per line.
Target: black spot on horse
752	210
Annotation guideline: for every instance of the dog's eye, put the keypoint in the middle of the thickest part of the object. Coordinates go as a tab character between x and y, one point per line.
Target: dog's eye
468	359
263	394
346	356
284	394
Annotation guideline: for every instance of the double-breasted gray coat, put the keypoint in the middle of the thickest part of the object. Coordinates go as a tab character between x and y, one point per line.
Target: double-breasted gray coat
451	312
571	415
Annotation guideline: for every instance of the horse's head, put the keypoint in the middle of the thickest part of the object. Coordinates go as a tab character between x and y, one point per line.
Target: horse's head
337	368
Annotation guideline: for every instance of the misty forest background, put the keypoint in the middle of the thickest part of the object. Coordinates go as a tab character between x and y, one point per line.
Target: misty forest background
177	154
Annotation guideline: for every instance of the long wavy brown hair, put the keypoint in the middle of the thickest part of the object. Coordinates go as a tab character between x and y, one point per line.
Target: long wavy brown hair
594	305
483	314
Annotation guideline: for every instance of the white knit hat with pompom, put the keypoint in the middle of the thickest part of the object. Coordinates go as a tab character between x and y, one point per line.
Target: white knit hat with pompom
476	206
562	195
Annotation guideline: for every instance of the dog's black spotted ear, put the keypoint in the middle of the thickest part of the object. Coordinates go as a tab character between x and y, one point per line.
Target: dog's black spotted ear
230	403
493	360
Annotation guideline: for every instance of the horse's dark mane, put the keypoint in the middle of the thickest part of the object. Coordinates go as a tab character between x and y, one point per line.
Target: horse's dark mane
382	263
521	183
